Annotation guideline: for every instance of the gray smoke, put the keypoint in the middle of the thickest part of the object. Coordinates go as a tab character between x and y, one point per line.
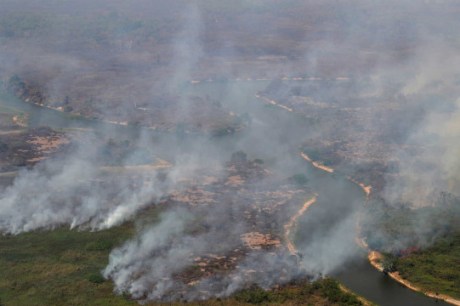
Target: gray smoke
130	73
435	166
149	266
73	190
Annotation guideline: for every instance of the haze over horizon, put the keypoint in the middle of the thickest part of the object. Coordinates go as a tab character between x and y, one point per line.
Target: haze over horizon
211	104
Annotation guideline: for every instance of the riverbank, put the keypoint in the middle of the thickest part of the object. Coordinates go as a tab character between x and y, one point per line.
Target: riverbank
316	164
363	289
367	189
376	258
293	221
360	298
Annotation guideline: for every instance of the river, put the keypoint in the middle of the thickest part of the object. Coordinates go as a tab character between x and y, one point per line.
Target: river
274	136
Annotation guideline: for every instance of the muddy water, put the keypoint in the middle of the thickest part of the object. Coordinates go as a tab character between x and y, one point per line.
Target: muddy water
275	135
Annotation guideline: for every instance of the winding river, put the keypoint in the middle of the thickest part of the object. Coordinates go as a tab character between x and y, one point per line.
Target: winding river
276	133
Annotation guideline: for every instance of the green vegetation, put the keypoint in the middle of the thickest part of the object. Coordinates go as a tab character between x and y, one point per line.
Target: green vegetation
299	179
325	291
223	131
393	228
63	266
256	295
330	289
422	244
50	267
389	263
239	156
96	278
436	268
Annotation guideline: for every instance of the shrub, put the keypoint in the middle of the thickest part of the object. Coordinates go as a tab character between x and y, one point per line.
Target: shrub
330	289
253	295
99	245
259	161
389	263
96	278
239	156
299	179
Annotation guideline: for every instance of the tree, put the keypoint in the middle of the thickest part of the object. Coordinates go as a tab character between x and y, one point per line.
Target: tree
299	179
389	263
239	156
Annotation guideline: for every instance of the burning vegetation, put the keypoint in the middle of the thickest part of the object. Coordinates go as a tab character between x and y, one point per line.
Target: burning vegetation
242	222
142	117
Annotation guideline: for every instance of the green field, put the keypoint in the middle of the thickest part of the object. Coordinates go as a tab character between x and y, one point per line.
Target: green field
436	268
50	267
62	267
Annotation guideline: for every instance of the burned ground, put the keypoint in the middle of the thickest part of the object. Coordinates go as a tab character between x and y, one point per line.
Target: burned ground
259	204
357	82
27	147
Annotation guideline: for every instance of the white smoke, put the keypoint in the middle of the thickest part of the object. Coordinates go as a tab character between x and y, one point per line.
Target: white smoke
73	191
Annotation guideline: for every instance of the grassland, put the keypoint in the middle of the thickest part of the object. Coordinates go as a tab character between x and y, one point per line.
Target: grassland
50	267
62	267
436	268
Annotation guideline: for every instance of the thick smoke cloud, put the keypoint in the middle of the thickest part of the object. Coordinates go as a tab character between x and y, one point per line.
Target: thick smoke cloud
72	190
398	63
434	167
148	266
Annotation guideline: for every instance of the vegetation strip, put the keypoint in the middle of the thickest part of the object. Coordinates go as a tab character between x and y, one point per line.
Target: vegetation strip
376	259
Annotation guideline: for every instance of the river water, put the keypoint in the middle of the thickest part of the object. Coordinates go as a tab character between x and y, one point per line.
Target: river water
275	135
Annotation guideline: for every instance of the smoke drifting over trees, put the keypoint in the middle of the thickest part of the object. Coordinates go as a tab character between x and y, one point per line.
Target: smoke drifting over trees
375	81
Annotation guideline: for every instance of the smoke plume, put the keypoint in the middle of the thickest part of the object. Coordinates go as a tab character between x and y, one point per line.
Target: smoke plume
187	84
